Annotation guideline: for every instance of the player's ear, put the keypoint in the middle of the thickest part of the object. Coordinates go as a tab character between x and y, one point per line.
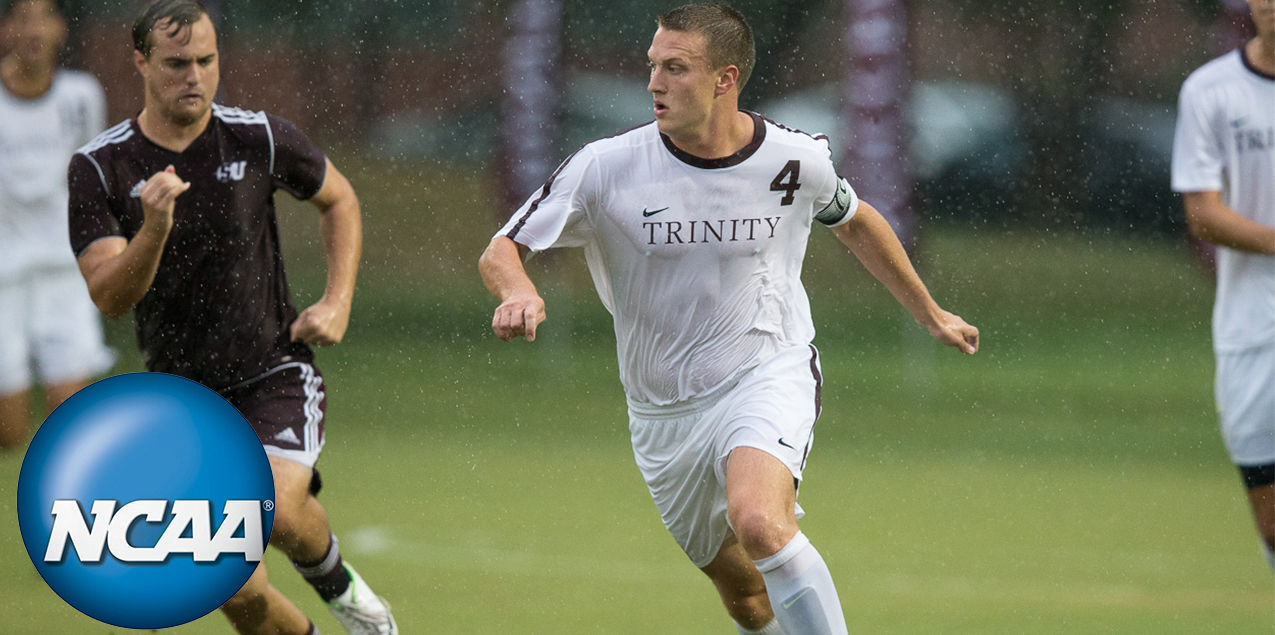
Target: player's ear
63	31
726	79
139	61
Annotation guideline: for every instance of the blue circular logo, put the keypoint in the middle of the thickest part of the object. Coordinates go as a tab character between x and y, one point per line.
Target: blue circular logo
145	501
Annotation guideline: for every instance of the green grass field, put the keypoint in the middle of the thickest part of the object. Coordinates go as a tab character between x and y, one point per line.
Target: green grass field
1067	479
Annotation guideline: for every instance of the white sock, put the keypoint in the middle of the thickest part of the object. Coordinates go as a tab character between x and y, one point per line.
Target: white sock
773	628
801	590
1270	555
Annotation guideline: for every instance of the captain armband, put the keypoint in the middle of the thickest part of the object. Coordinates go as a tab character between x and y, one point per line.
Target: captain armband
842	207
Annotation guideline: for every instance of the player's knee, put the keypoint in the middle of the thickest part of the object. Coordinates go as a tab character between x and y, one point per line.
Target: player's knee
247	606
761	532
288	521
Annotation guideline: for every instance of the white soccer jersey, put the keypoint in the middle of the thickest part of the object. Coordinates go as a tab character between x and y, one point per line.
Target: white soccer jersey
1225	142
37	139
698	261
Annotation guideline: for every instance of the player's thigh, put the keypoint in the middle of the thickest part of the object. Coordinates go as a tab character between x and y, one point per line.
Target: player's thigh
767	436
66	329
759	483
15	355
291	480
1245	389
774	409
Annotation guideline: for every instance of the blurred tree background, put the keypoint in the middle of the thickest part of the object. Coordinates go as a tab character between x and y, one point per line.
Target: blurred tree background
1030	113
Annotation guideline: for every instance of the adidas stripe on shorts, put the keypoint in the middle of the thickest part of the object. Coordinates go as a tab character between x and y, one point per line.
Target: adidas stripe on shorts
285	406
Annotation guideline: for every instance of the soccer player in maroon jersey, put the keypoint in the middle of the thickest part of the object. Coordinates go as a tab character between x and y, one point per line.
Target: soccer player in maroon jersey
172	217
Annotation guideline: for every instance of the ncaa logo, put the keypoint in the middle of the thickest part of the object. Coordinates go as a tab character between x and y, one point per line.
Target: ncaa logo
145	501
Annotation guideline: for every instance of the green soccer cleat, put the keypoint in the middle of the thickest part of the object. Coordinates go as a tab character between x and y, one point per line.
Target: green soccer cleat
361	611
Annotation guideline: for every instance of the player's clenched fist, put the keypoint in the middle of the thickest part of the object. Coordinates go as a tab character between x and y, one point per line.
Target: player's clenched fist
953	331
159	196
519	315
322	324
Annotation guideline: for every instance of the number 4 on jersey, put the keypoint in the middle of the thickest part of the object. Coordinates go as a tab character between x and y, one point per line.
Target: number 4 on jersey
791	171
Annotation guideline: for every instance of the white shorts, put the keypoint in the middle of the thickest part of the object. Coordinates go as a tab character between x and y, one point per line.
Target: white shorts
1245	389
49	328
682	449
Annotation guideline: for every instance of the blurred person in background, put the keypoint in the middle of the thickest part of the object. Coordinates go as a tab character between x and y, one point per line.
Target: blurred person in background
172	218
1224	167
694	227
49	329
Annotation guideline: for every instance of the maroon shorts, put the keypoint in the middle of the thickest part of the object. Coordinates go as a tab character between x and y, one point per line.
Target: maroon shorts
285	406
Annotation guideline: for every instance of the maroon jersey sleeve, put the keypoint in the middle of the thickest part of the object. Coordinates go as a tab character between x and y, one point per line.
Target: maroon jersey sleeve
298	166
89	211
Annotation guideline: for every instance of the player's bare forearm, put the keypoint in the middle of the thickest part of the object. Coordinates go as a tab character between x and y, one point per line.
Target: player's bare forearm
119	272
1212	221
341	226
873	242
521	307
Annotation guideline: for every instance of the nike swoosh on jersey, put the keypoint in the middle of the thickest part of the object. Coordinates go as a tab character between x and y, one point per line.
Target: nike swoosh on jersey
781	442
646	214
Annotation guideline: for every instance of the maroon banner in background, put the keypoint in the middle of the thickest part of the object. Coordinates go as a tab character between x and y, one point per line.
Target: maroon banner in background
531	108
874	96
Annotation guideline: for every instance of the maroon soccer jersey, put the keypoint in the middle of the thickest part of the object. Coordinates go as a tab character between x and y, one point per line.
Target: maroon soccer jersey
219	309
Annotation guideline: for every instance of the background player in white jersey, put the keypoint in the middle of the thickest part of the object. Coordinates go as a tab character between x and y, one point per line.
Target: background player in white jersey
48	325
694	228
172	218
1224	166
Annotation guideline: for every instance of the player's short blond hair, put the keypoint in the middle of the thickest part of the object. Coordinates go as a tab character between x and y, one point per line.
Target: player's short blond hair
727	36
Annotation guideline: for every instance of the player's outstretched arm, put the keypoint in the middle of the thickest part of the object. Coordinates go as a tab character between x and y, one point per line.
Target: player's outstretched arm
521	308
118	271
341	225
1212	221
874	243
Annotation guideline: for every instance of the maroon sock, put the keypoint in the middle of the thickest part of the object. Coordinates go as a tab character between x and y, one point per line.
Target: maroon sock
327	575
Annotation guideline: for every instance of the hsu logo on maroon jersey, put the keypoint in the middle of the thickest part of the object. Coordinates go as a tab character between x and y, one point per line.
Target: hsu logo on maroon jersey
232	171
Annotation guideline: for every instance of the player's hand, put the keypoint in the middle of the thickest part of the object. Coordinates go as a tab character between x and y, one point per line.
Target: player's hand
518	315
322	324
952	331
159	196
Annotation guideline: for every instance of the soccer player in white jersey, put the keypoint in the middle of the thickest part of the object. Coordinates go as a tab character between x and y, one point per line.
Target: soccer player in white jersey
48	325
694	227
1224	166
